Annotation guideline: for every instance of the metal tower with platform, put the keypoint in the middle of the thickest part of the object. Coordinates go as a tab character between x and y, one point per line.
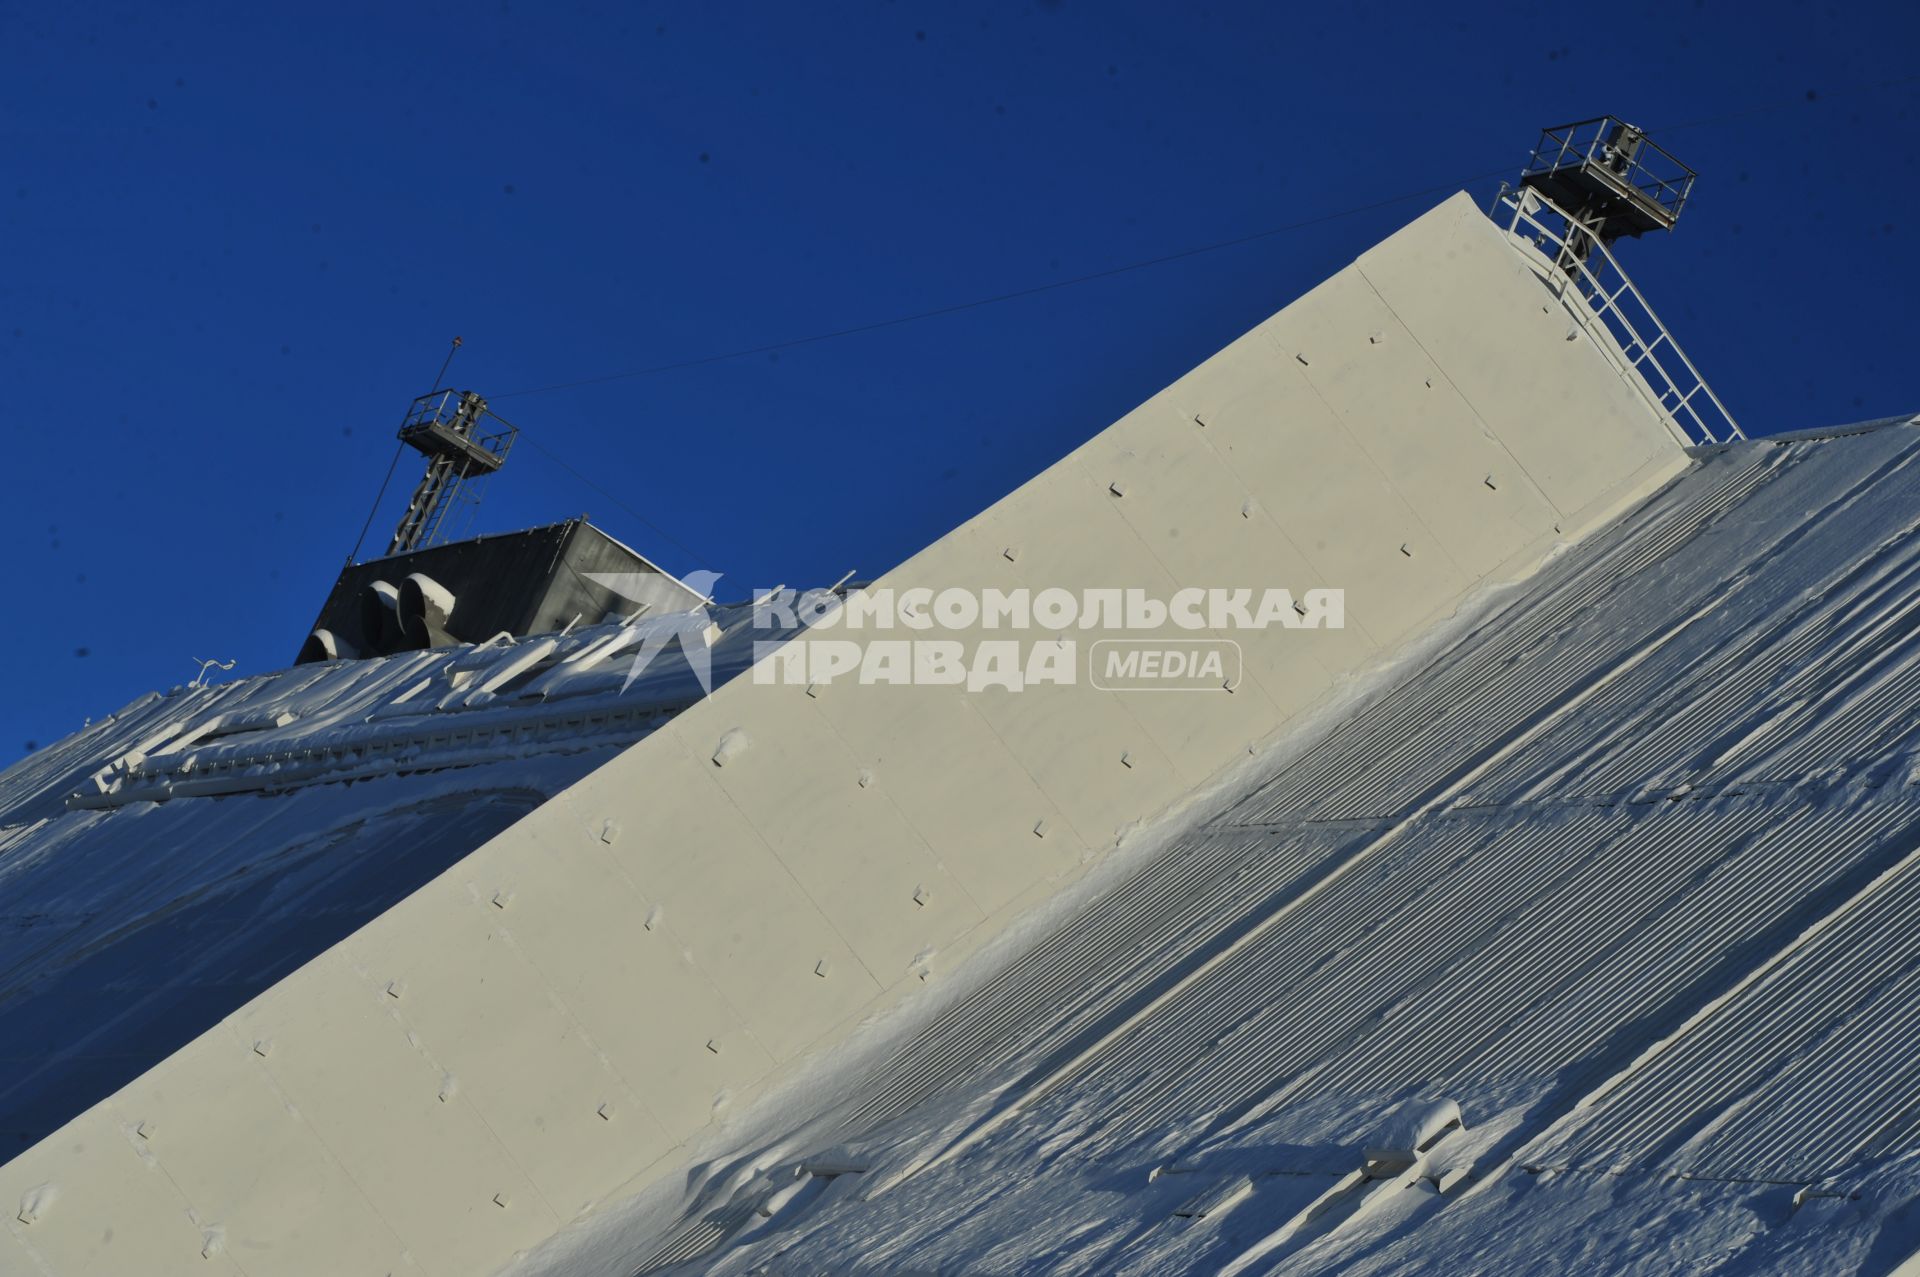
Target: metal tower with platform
1585	186
1610	178
446	426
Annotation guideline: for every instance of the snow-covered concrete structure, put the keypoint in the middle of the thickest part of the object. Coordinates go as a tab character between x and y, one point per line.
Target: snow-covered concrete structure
1586	943
677	946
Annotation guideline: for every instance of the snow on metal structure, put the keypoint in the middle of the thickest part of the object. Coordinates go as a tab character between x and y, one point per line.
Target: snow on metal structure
344	787
493	701
1586	945
567	1012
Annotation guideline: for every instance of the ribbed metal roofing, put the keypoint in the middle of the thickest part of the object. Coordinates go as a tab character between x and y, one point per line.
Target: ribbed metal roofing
1628	871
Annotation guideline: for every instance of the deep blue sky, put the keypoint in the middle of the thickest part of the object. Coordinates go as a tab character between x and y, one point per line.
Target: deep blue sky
238	238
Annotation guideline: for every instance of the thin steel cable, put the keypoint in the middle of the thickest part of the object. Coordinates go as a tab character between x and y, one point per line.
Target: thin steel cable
368	525
698	558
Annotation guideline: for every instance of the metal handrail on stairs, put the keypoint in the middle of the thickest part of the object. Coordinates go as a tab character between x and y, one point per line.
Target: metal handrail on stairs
1578	266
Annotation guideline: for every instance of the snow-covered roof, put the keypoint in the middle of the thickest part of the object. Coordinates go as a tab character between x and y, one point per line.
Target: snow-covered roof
170	861
1589	942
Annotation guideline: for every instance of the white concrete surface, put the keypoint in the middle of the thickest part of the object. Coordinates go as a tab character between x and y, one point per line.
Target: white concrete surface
1581	943
552	1020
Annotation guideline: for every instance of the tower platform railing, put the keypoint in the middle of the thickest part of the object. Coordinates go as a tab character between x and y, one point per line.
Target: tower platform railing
446	423
1583	272
1612	154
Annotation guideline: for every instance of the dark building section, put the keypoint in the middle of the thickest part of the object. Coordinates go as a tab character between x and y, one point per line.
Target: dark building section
533	582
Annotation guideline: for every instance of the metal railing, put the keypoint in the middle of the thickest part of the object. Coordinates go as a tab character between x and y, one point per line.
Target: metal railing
441	408
1620	154
444	426
1589	281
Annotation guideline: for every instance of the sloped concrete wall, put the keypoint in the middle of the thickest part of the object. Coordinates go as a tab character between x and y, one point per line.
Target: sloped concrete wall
547	1023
